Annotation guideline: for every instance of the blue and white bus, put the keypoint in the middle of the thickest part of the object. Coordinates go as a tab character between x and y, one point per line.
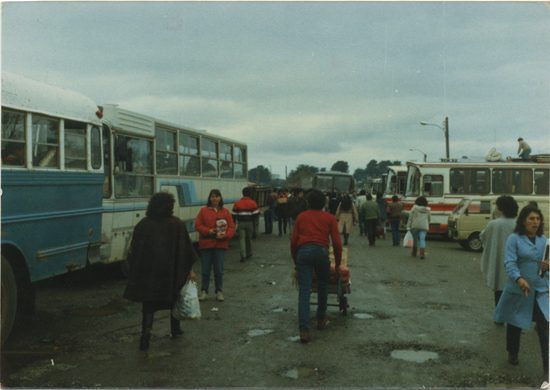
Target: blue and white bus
144	155
52	181
75	185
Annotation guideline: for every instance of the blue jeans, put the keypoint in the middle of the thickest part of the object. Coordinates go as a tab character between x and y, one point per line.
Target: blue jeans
525	154
394	222
312	257
212	258
419	235
362	227
268	219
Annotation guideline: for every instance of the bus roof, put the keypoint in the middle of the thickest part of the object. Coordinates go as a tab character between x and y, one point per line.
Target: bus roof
397	168
22	93
135	123
498	164
334	173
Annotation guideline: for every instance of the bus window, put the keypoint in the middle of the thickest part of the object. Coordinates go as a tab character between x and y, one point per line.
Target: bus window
433	185
133	167
342	183
513	181
189	160
96	148
166	152
45	139
75	145
479	207
414	181
240	163
13	138
469	180
209	153
226	155
541	182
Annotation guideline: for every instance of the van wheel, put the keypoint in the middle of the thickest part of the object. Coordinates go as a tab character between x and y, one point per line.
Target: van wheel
474	243
9	298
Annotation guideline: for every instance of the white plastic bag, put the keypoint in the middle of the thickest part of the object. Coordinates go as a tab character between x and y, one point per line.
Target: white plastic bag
408	240
187	305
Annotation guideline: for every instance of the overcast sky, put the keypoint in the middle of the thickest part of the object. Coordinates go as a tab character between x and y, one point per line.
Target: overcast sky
304	82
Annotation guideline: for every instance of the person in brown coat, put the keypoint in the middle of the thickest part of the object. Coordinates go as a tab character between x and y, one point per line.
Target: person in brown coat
161	258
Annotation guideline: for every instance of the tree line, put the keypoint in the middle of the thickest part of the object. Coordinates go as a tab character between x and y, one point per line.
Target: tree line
262	175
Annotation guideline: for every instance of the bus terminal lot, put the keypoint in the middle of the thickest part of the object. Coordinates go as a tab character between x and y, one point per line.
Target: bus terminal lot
84	335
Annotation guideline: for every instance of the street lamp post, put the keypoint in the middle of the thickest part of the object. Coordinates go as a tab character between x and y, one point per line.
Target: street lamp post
420	152
445	131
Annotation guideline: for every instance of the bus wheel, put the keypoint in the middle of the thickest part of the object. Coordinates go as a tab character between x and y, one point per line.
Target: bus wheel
9	298
474	243
122	269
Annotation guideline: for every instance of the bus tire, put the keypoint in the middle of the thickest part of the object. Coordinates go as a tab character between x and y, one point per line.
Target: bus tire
474	243
122	269
9	299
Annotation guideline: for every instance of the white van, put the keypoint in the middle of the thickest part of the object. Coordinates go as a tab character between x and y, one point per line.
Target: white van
472	214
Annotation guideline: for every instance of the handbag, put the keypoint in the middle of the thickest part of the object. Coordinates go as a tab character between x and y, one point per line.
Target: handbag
408	240
187	306
379	231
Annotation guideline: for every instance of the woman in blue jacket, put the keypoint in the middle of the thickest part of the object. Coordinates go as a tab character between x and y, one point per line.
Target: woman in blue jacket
525	296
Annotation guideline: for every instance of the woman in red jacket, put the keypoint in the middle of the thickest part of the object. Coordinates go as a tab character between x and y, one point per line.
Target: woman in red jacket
215	227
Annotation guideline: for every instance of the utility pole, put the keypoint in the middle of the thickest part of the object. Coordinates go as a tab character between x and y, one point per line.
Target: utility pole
447	135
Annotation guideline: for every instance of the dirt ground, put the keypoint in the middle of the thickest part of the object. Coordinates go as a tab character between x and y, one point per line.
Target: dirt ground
84	335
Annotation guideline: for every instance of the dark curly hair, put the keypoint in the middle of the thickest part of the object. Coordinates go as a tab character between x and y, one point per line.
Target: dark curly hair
508	206
523	214
346	203
161	205
421	201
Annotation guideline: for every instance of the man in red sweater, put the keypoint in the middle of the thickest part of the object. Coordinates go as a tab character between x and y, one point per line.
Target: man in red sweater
309	246
245	210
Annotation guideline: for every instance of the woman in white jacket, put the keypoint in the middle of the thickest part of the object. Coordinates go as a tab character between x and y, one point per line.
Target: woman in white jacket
419	223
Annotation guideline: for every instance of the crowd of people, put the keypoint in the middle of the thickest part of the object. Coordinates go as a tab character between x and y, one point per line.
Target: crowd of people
161	254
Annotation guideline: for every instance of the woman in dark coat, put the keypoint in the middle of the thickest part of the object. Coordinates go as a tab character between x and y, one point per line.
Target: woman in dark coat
161	258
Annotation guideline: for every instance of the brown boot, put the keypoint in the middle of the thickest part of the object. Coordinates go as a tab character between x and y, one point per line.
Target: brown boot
413	252
304	337
421	253
321	323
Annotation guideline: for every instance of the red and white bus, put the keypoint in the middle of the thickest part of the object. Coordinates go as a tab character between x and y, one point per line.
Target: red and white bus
445	184
396	182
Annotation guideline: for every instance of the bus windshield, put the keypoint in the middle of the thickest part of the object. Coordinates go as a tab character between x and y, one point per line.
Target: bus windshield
342	183
413	181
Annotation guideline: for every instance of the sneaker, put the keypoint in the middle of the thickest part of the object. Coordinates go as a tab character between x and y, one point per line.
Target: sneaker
219	296
544	385
203	296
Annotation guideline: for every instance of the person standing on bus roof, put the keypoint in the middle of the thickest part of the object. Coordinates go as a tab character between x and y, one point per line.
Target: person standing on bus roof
494	244
215	227
245	211
526	149
161	258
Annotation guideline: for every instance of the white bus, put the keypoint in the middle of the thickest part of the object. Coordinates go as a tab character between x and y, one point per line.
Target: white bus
395	182
445	184
144	155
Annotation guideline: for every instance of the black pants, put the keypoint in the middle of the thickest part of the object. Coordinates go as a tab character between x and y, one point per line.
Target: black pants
283	221
513	334
370	225
498	294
